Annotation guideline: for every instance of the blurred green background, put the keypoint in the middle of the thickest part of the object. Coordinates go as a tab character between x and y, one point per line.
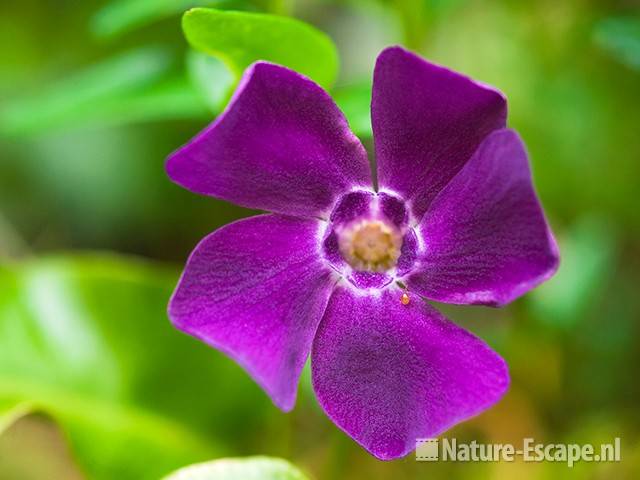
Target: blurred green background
95	383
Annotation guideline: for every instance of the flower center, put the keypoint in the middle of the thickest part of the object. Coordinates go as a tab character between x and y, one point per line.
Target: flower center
370	245
368	239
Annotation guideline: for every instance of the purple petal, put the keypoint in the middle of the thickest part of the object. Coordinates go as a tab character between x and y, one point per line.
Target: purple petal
256	290
486	239
427	122
363	280
351	206
394	209
281	145
408	253
387	373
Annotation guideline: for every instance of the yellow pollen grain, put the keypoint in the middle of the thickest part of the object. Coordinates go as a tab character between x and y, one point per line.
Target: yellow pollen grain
404	299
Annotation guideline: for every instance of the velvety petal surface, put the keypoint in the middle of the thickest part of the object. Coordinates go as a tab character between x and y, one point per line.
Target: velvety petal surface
427	122
281	145
387	373
256	290
486	239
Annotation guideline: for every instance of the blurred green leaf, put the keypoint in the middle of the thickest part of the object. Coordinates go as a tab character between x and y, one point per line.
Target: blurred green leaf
250	468
587	250
620	36
211	78
240	38
86	340
135	86
355	102
121	16
170	99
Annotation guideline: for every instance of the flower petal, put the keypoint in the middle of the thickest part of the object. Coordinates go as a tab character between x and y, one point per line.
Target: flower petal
427	122
281	145
388	373
486	239
256	290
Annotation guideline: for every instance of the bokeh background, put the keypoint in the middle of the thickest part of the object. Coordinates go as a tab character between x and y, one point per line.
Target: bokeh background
94	382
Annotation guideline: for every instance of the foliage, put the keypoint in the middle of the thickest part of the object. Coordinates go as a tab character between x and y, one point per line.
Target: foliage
240	38
121	16
86	341
251	468
127	88
94	95
621	37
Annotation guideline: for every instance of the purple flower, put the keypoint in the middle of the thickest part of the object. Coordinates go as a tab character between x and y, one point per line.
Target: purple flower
455	219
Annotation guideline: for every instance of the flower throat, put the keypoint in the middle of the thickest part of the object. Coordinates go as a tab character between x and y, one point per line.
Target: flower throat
370	245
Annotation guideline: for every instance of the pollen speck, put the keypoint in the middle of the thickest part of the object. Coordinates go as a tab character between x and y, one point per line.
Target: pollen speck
405	299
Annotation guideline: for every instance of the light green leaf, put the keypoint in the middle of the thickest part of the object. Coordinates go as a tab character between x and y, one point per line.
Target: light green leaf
211	79
121	16
586	250
240	38
86	340
355	102
250	468
620	36
136	86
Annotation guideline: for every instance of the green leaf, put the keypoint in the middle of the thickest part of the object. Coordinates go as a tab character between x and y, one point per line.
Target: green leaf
122	16
250	468
173	98
135	86
86	340
211	79
620	36
355	102
587	251
240	38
